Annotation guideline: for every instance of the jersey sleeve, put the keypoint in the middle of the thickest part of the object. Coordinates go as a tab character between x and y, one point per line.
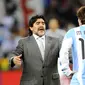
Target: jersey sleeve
64	53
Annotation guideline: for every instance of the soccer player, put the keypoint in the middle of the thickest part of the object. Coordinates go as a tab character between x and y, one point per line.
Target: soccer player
75	40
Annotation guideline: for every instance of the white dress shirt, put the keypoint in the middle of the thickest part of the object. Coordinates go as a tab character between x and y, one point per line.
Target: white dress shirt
41	43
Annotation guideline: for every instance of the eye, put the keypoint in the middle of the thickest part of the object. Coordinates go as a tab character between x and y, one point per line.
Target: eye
37	23
43	23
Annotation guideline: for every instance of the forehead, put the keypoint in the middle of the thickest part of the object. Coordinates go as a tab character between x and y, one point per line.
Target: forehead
40	20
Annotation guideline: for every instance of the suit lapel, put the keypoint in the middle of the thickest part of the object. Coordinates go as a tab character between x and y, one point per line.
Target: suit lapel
47	47
35	47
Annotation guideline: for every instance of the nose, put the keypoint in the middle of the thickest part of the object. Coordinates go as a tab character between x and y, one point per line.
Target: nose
41	24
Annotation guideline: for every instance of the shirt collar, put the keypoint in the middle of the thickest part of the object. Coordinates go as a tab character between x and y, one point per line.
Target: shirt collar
36	37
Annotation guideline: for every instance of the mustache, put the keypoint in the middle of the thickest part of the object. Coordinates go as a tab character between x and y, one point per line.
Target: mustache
41	28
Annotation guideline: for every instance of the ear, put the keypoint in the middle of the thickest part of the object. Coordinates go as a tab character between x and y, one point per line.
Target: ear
31	28
79	21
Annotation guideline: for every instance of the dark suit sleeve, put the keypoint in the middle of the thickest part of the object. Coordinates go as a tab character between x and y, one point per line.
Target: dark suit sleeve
17	52
60	42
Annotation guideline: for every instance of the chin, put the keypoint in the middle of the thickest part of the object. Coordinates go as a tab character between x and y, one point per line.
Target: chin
41	34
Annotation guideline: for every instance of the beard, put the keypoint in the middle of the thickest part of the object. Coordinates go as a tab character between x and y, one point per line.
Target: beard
40	31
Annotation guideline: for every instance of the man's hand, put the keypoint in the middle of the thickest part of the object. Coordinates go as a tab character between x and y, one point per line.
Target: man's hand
17	60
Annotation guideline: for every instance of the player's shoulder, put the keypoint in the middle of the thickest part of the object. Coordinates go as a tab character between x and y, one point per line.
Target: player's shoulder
71	31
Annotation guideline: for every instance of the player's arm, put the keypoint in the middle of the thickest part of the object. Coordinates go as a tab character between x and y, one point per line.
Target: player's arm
64	54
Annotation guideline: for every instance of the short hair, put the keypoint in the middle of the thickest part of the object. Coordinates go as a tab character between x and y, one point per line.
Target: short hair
81	14
33	20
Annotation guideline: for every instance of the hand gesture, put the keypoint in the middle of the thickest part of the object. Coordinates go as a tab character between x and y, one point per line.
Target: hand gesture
17	60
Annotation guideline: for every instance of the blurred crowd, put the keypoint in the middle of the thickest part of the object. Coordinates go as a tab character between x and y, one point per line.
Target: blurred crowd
14	16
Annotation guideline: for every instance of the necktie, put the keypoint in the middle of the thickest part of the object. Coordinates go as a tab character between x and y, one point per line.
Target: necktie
41	46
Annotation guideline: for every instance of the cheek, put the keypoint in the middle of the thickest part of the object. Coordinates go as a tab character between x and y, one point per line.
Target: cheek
36	29
44	27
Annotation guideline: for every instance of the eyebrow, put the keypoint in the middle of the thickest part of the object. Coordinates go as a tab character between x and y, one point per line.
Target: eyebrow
40	21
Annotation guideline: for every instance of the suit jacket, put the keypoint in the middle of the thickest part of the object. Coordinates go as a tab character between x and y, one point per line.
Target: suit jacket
37	71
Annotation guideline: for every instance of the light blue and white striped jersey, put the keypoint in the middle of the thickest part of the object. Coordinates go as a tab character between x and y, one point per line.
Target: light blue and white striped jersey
75	40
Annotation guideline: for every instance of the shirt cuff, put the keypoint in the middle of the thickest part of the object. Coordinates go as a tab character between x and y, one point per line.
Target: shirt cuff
11	62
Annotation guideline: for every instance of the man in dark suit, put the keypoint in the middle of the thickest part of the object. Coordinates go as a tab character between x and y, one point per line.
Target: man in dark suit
39	61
